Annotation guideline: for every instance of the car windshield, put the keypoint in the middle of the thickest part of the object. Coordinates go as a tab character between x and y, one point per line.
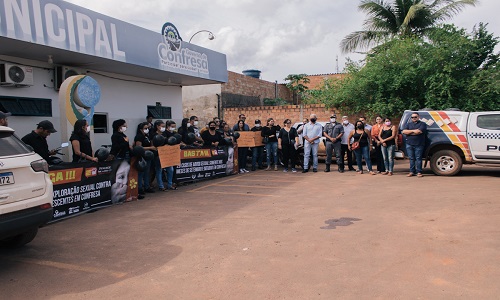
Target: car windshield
11	144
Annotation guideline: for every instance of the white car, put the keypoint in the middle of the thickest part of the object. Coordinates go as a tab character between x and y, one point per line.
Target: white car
25	191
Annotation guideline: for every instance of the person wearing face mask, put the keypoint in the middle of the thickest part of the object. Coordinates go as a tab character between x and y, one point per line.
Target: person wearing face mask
377	144
120	147
312	134
242	151
287	140
344	147
193	127
257	152
80	142
160	129
333	133
387	138
364	138
142	139
269	133
211	137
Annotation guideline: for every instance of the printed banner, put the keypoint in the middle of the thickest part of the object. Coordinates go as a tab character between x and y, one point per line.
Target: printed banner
79	187
204	163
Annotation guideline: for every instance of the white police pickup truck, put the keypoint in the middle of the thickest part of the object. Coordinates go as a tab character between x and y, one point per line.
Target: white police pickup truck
455	138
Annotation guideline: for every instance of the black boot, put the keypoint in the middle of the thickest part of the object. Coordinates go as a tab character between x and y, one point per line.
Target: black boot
341	169
327	169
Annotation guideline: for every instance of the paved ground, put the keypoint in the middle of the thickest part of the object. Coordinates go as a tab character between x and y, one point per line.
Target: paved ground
270	235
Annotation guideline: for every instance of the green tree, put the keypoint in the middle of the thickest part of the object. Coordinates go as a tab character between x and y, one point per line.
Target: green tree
451	68
400	18
297	84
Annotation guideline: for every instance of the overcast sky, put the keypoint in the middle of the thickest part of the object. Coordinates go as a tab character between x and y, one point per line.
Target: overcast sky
276	37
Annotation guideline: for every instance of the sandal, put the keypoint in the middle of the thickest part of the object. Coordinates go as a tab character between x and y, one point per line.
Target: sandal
390	174
420	175
409	175
385	173
372	173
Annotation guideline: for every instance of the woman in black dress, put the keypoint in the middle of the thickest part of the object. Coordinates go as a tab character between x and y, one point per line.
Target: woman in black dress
288	138
80	142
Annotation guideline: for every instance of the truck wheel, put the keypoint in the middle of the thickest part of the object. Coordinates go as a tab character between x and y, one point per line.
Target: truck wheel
446	163
20	240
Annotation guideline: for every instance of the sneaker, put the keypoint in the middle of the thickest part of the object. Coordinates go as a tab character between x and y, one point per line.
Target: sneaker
149	190
305	170
246	171
254	168
261	167
242	171
294	170
275	167
141	192
315	170
352	169
285	170
268	168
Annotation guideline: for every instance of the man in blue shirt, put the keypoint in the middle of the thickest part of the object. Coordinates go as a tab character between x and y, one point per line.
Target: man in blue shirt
414	132
312	133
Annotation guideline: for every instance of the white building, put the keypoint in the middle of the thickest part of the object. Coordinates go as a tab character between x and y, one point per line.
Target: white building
139	72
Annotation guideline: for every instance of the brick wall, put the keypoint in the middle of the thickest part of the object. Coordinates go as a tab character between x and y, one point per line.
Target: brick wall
279	113
317	80
245	85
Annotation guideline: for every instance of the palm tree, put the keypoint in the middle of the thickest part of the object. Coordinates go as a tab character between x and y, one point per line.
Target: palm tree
400	18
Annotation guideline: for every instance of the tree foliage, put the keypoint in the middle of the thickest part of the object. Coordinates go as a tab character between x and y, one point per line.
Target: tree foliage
450	68
297	84
400	18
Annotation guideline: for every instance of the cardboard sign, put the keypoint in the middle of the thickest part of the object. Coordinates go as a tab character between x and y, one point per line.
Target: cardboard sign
250	139
169	155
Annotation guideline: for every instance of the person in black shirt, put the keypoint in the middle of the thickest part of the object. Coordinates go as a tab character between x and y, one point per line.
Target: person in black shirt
120	147
170	129
37	139
212	137
257	152
242	151
80	142
269	133
142	139
288	138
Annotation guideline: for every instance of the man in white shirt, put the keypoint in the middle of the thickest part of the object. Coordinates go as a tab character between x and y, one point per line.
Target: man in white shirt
312	134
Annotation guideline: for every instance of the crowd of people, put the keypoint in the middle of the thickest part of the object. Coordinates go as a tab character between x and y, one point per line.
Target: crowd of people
344	139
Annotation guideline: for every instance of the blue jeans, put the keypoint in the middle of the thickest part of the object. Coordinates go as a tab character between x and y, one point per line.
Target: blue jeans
257	156
363	152
159	173
307	154
143	178
388	155
170	175
272	149
415	155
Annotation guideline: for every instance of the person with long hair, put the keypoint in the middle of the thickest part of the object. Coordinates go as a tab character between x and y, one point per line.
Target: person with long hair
183	130
120	147
377	143
387	137
363	137
80	142
160	127
288	138
142	139
242	151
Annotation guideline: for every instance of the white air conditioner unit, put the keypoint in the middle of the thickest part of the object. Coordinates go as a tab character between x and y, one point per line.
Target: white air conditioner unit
62	73
16	75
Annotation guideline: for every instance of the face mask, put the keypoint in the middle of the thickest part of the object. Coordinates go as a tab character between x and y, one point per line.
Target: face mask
345	122
257	125
124	129
171	129
212	128
146	131
188	124
313	120
332	120
162	129
360	126
88	128
195	123
387	123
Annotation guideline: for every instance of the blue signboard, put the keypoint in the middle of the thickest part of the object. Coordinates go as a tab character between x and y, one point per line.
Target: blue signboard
66	26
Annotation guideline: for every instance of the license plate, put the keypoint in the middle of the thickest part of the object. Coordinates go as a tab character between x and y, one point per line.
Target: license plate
6	178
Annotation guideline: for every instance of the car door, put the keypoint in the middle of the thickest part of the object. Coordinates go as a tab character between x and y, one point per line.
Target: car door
483	133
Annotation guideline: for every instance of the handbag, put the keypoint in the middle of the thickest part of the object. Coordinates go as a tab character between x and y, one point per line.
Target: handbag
355	145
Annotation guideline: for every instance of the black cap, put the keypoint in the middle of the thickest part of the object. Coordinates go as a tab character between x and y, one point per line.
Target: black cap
4	115
47	125
333	116
257	121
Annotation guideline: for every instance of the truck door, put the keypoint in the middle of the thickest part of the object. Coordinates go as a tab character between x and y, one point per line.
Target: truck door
483	133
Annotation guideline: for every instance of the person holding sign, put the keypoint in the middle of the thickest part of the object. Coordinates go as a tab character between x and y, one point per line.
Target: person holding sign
288	138
257	151
242	151
142	139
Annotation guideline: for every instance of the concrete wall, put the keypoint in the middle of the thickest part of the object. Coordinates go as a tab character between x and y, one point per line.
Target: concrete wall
122	98
201	101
